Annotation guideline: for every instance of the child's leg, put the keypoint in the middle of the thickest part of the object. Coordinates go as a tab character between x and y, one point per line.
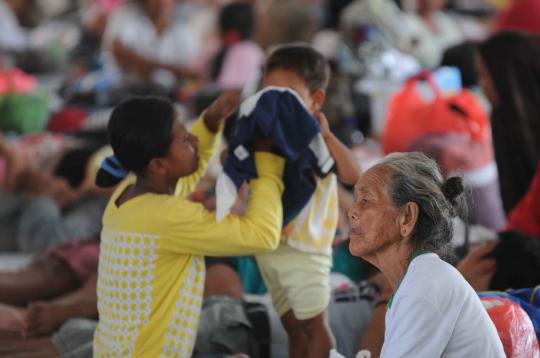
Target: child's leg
45	278
298	342
299	285
319	335
308	338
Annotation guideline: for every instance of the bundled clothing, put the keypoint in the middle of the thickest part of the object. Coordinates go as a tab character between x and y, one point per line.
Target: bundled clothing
277	113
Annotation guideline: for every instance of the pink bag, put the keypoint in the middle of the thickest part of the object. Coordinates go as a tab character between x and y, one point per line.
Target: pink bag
16	81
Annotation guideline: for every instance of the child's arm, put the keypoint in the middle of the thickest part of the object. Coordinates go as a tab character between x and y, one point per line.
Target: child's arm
348	169
195	230
208	129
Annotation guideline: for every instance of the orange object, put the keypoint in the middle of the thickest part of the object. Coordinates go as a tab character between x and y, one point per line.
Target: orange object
513	326
410	117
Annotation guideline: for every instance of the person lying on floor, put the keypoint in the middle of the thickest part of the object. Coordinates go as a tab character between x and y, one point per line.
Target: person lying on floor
44	207
55	287
223	301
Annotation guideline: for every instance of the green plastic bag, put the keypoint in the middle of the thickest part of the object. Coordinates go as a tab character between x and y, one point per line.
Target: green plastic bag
23	113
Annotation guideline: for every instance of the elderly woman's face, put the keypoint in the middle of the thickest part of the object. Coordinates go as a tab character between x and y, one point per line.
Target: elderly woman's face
373	219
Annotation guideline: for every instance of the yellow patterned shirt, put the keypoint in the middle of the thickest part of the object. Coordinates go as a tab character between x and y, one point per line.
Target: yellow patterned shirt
313	230
151	267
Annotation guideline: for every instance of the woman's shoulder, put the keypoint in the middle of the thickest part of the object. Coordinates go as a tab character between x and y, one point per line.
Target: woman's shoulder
431	265
431	277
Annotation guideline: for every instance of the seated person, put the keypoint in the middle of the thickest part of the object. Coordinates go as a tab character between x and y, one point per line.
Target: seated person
146	39
44	207
13	36
240	60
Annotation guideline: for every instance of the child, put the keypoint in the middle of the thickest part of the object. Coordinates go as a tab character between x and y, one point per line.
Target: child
239	60
151	269
297	273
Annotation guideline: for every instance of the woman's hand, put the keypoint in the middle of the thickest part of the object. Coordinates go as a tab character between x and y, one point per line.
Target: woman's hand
477	269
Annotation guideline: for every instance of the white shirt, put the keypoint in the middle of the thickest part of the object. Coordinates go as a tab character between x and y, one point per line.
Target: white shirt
436	313
12	35
424	44
176	45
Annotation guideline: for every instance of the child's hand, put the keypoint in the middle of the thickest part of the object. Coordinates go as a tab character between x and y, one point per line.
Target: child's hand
220	109
325	128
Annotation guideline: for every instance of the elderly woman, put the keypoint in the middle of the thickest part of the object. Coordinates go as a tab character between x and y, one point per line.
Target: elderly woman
400	220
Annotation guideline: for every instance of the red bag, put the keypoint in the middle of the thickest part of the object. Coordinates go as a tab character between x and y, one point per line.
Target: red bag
410	117
69	120
513	326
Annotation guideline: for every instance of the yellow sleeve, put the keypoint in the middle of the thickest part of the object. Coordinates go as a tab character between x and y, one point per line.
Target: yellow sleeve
208	145
194	230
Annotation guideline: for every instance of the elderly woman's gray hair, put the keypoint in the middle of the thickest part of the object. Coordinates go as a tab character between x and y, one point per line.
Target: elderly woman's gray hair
417	178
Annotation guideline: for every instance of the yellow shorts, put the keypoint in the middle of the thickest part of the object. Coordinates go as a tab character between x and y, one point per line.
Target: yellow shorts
297	280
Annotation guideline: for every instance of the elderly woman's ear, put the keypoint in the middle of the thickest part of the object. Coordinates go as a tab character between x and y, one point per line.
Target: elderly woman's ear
408	218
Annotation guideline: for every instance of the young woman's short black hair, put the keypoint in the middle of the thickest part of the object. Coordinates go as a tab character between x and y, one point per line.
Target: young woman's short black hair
140	129
305	61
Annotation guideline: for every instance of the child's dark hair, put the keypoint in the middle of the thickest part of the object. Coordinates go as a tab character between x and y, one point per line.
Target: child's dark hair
518	262
237	23
139	130
305	61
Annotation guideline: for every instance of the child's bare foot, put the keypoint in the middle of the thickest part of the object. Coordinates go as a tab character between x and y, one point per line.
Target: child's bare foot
44	318
11	318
